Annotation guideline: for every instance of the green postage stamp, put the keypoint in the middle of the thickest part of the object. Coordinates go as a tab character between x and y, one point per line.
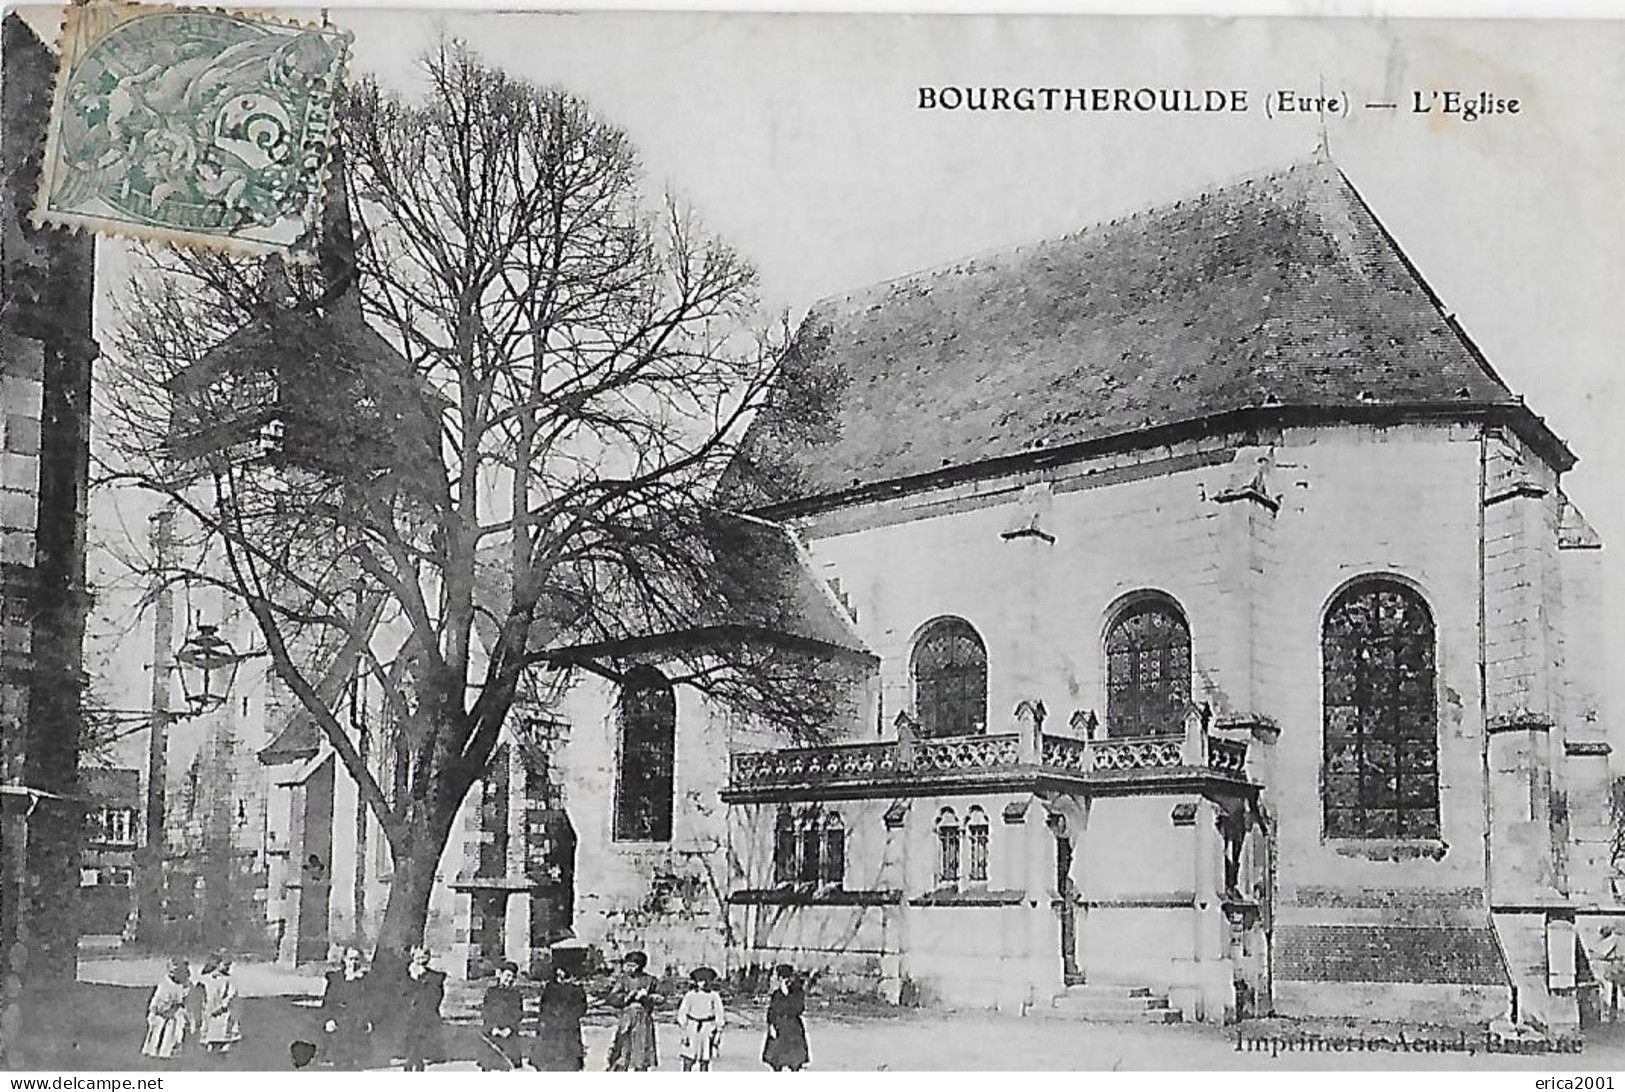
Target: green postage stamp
199	128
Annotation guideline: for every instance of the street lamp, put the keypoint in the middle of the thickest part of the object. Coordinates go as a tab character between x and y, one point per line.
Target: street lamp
208	667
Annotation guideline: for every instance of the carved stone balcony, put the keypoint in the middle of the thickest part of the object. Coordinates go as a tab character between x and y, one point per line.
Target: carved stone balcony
1195	760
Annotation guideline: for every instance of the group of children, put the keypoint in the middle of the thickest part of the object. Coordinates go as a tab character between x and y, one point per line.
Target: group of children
183	1010
401	1015
635	994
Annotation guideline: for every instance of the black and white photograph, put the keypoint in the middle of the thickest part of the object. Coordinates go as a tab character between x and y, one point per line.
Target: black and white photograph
732	541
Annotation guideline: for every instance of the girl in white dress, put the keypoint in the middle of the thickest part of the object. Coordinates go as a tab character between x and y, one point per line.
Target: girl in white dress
701	1017
220	1026
168	1019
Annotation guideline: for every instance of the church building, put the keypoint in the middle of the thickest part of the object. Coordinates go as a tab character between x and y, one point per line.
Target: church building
1225	643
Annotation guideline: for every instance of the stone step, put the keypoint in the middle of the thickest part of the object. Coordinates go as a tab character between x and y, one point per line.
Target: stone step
1111	1015
1113	1003
1103	989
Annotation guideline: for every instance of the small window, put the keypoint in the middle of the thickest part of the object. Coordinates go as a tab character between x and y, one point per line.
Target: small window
832	862
809	837
809	849
976	830
947	848
784	848
118	826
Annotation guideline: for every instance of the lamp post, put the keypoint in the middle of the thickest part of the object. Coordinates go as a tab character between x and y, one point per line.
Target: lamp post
207	664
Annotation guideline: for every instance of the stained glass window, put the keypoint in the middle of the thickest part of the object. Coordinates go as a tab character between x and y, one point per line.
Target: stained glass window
1148	671
1381	745
643	783
950	679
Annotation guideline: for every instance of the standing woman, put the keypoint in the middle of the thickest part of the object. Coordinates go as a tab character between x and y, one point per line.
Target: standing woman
786	1046
422	991
558	1039
220	1027
634	994
167	1017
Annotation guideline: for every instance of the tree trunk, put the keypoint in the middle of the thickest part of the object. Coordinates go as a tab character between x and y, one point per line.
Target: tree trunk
407	910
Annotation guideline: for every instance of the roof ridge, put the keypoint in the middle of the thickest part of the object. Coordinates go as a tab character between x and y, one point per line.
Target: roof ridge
1255	176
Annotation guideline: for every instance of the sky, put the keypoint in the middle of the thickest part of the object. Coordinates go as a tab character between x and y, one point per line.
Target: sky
799	140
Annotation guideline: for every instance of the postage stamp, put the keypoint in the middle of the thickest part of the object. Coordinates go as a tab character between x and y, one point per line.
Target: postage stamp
199	128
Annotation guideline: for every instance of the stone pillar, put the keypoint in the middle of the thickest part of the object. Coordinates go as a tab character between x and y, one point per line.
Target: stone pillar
1208	990
1028	547
1246	534
1522	656
1587	780
1030	731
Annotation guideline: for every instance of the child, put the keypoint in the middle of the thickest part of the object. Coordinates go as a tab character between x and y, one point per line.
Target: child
167	1016
422	992
701	1016
500	1014
634	993
786	1046
346	1016
220	1027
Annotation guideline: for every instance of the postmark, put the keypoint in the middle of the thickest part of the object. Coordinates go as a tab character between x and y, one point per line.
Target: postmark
195	127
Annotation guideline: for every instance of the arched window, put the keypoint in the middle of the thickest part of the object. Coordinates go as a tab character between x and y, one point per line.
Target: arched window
947	848
784	848
950	679
809	848
1381	733
1148	670
807	859
643	782
976	832
832	862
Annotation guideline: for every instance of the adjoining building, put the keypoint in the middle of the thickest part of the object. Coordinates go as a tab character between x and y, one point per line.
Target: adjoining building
46	350
112	797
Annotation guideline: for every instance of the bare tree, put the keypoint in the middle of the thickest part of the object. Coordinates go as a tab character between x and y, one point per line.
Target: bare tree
526	458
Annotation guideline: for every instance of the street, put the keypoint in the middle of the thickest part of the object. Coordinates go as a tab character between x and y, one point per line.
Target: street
276	1008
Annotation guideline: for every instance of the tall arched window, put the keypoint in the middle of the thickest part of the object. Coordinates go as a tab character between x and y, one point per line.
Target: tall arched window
643	781
1381	733
1148	670
950	679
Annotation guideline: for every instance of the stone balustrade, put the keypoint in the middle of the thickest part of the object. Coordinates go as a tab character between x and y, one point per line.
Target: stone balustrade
970	758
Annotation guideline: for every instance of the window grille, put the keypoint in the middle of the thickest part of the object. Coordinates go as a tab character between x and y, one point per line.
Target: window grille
949	668
1380	719
1148	671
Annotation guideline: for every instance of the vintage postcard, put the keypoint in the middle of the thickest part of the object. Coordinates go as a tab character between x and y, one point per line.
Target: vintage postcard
765	542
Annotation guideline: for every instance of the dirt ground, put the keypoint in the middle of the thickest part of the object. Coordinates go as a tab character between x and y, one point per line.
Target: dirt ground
107	1010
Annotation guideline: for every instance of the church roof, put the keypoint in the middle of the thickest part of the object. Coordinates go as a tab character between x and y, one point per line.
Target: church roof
758	585
1280	294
